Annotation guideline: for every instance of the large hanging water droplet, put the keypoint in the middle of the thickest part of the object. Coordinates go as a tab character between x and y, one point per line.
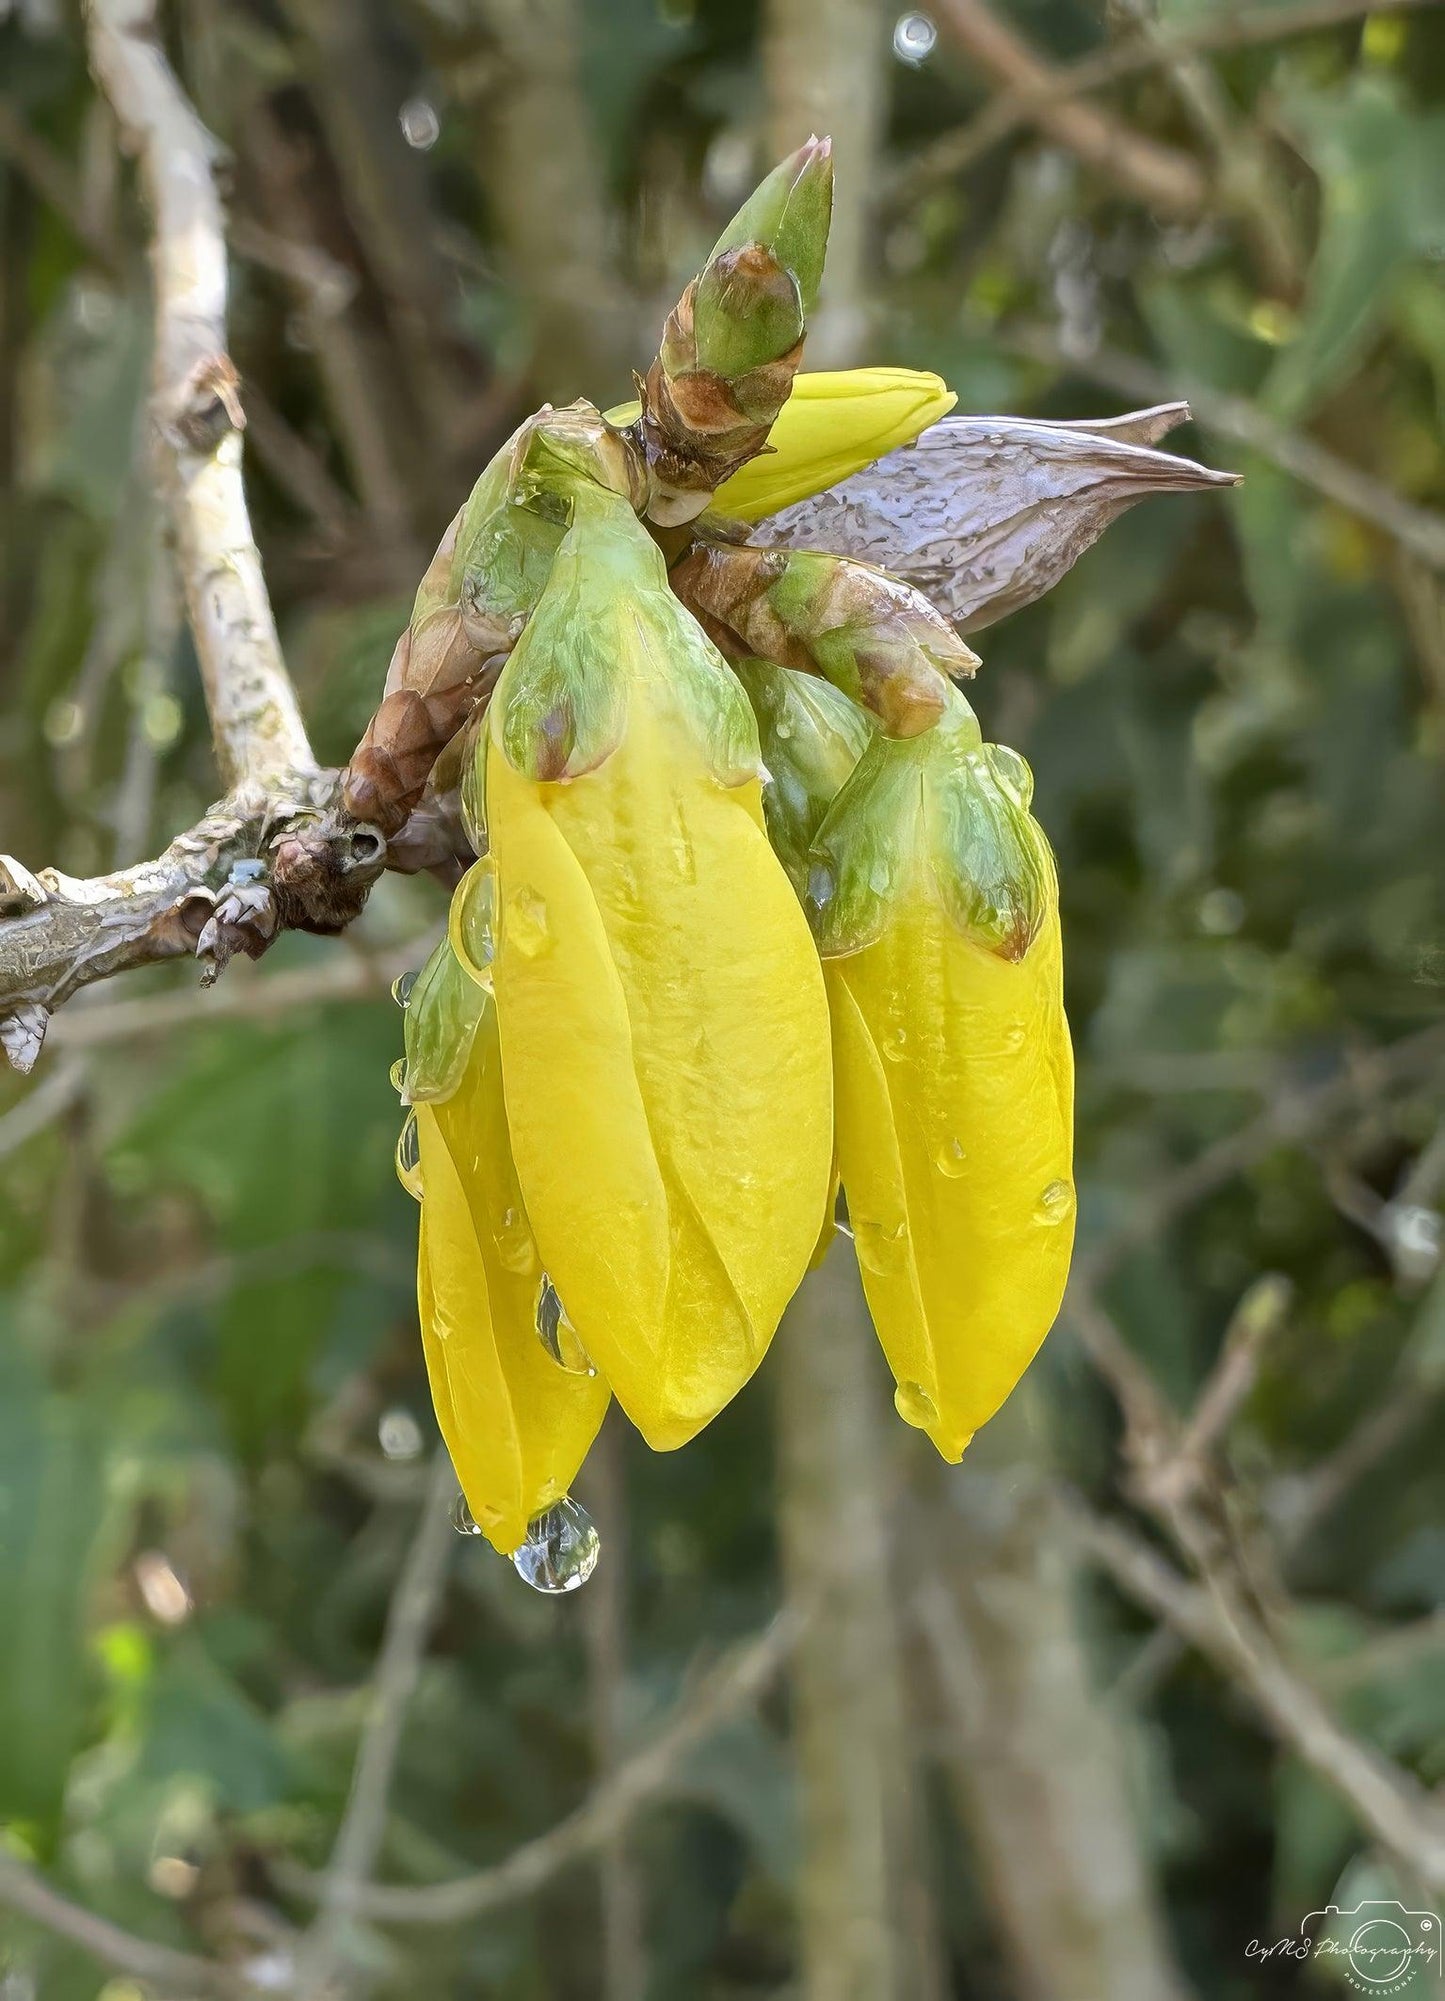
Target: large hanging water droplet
401	986
471	922
882	1247
463	1520
514	1242
558	1335
397	1073
561	1549
1056	1203
526	923
408	1158
915	1406
949	1157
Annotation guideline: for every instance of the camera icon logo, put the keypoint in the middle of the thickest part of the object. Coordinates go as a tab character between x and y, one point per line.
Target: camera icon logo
1379	1946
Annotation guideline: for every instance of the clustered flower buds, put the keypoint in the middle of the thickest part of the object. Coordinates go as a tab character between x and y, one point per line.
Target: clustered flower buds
754	907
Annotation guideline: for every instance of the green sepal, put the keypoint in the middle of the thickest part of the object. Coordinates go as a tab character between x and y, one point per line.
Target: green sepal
811	737
605	623
942	814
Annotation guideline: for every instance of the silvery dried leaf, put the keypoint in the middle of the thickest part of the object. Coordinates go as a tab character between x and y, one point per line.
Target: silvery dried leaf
985	514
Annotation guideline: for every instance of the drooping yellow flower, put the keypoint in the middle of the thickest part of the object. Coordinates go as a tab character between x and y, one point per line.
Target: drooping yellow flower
664	1029
517	1425
937	904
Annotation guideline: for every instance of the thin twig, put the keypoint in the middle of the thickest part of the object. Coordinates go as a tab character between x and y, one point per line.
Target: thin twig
50	1100
737	1682
260	997
1214	33
25	1890
345	1886
1390	1802
1417	529
1164	178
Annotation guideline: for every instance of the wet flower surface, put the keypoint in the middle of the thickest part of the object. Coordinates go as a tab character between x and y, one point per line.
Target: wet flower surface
755	908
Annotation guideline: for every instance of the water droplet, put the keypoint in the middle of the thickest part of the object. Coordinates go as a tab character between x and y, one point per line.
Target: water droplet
470	922
397	1074
1012	773
784	728
420	126
408	1158
882	1247
401	987
526	923
398	1434
561	1549
473	792
895	1042
914	36
463	1520
1015	1035
513	1239
822	887
950	1158
558	1335
915	1406
1056	1203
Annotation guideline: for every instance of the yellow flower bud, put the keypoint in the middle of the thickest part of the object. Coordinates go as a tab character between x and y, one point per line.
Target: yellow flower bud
663	1023
516	1422
834	423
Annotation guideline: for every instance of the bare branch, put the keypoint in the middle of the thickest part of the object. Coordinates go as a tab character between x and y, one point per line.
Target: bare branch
181	1973
345	1887
1389	1801
734	1684
1165	179
1215	32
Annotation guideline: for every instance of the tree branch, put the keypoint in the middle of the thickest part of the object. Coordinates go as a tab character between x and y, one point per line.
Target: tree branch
182	1973
1213	33
734	1684
1165	179
345	1886
1390	1801
277	853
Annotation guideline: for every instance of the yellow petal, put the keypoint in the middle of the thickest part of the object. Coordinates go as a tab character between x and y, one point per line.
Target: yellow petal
834	424
517	1425
665	1051
954	1081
